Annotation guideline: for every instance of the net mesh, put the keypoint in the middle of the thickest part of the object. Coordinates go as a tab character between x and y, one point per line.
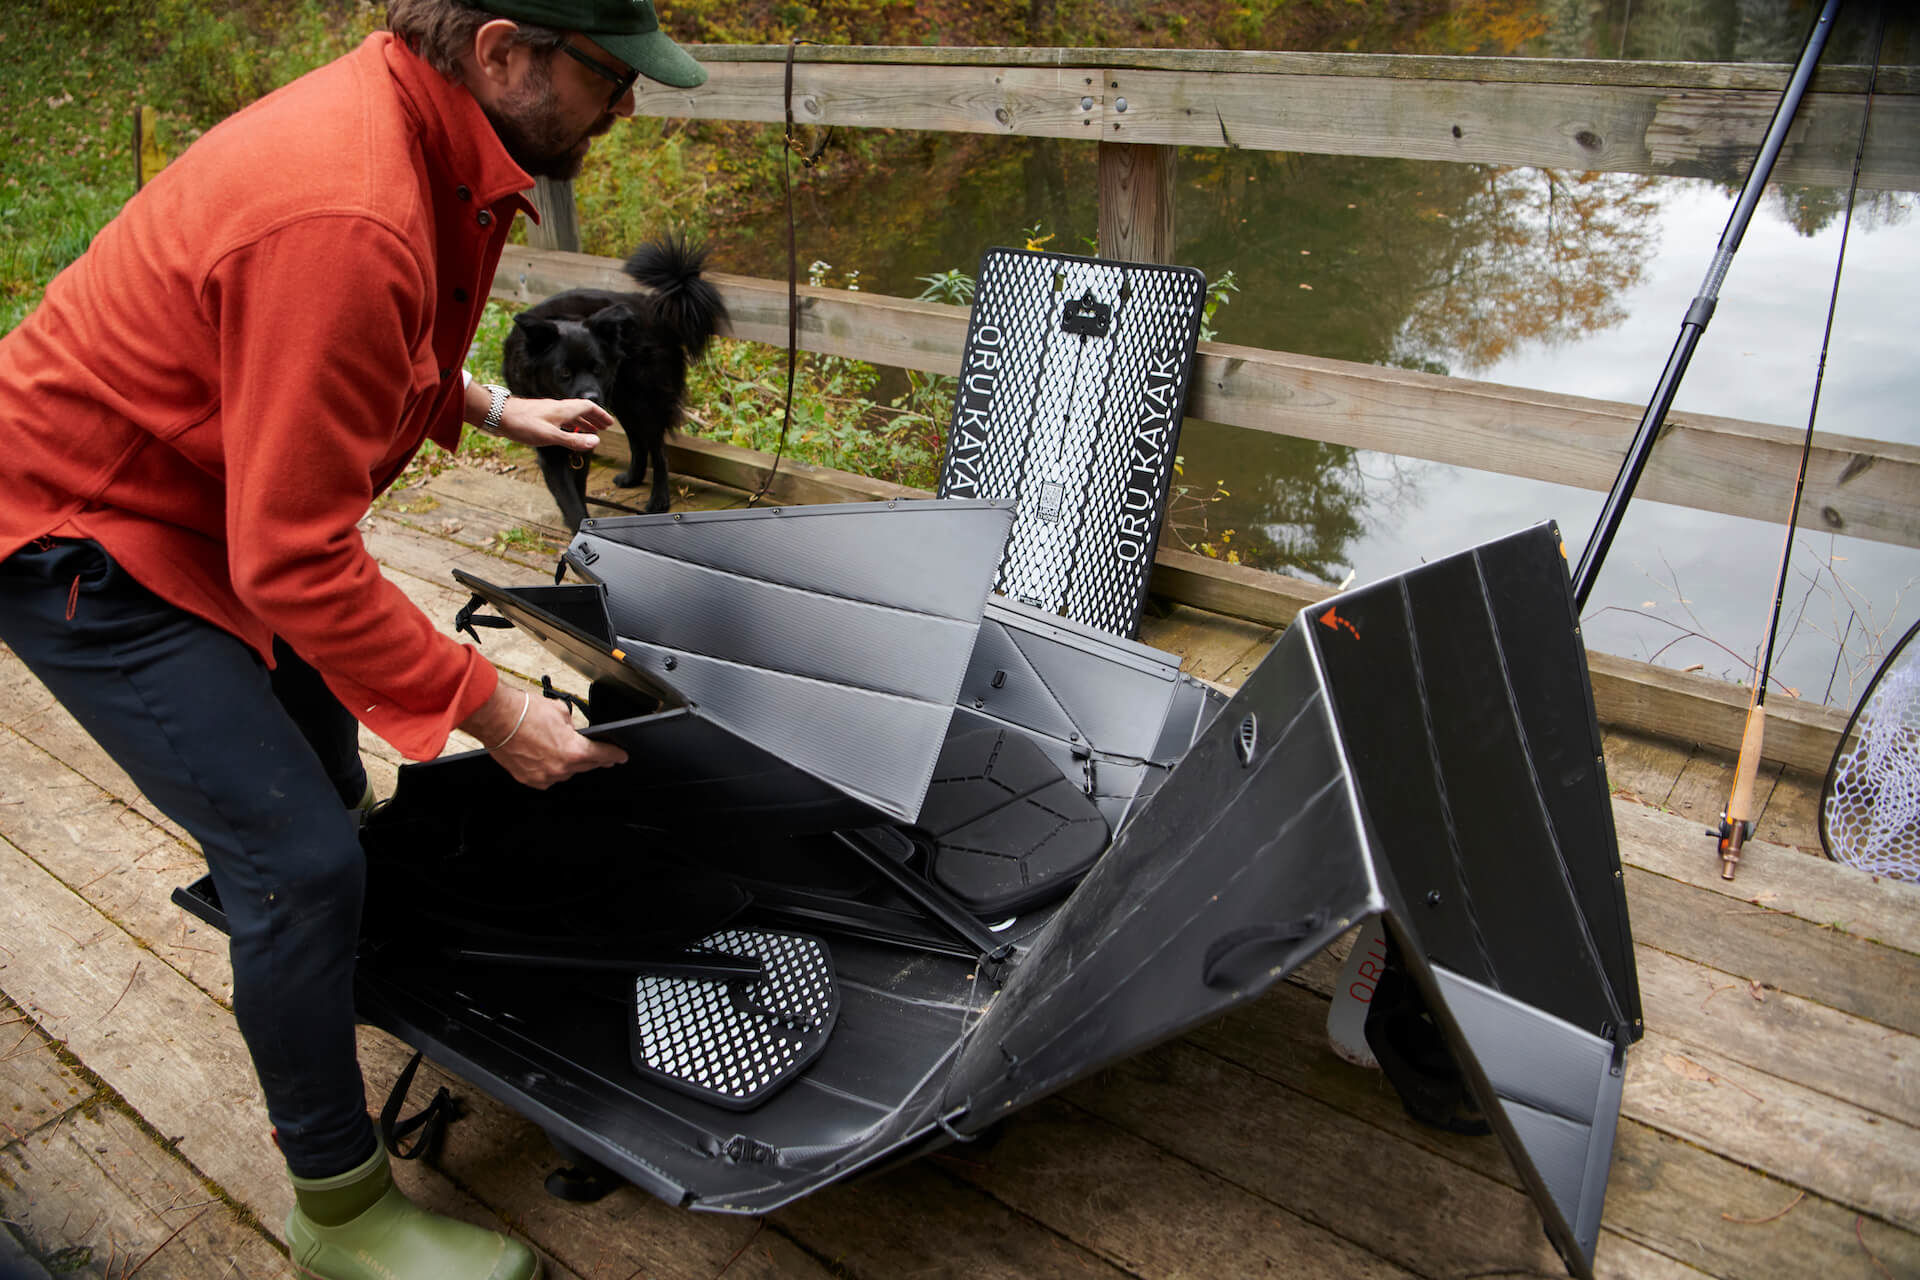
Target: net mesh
1870	814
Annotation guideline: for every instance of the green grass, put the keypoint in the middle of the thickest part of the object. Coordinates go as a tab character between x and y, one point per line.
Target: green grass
77	69
75	72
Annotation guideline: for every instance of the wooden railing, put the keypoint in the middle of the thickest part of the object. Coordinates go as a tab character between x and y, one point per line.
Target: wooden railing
1866	488
1698	120
1673	119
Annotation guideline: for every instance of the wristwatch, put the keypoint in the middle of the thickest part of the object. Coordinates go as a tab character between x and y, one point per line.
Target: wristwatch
491	425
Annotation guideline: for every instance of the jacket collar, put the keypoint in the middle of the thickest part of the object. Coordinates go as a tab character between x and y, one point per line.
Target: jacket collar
457	139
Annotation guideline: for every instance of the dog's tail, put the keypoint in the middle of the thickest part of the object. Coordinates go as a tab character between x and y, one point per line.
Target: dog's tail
688	303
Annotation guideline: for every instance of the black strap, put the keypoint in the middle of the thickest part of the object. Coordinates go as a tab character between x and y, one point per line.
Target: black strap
561	695
1414	1055
430	1121
467	619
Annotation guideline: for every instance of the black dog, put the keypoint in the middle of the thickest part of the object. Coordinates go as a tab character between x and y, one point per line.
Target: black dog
626	352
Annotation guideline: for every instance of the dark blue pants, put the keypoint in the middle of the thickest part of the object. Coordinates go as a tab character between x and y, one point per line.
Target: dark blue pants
260	767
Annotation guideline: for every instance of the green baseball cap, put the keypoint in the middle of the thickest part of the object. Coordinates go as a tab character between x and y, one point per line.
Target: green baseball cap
627	29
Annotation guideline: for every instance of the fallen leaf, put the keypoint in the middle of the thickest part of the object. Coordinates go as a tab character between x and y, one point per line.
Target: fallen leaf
451	526
1757	991
1687	1068
1307	287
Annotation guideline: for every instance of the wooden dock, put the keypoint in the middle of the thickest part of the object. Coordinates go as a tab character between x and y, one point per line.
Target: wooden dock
1771	1124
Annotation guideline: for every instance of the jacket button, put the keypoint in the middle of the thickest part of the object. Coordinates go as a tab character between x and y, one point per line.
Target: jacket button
446	373
459	295
484	218
463	193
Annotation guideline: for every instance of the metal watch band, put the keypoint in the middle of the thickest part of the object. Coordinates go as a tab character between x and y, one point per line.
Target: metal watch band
491	425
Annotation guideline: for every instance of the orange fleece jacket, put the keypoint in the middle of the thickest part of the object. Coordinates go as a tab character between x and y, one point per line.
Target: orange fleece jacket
252	350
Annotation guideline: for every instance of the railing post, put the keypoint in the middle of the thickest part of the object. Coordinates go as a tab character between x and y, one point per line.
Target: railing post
559	228
1136	202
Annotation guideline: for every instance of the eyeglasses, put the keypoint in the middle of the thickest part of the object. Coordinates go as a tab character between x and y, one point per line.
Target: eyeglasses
622	80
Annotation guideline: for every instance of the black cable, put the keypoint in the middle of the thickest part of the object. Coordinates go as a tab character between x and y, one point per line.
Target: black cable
793	277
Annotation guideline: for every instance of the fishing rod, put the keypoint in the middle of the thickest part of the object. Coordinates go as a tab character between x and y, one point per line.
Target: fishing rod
1736	823
1700	311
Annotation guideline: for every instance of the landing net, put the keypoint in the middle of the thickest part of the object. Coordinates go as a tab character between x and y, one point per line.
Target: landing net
1870	807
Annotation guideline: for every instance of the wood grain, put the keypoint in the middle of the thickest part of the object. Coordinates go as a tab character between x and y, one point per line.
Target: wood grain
1689	122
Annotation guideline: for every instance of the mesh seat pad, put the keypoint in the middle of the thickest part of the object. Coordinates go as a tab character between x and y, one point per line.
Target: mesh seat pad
1072	388
734	1043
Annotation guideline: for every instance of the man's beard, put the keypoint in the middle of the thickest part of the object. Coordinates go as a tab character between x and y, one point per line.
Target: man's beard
535	137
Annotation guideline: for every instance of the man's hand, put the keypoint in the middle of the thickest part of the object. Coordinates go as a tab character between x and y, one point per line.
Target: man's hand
542	747
572	424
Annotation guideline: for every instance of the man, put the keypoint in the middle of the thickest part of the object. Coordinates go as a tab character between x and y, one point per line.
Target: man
192	423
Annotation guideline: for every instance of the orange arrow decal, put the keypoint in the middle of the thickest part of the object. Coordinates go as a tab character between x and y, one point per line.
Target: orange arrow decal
1334	621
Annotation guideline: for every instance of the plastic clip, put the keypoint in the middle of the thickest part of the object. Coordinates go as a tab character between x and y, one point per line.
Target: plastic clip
466	620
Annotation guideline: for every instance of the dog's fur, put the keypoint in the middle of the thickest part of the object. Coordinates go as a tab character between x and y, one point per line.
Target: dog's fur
626	352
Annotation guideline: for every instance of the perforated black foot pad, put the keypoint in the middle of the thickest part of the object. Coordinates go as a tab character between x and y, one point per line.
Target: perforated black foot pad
735	1043
1010	831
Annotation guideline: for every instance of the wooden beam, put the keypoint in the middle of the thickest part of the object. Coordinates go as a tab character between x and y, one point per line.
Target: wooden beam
1700	122
1855	486
1136	202
1827	78
559	225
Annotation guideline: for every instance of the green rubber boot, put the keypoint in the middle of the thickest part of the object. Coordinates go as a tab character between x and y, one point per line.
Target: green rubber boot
357	1226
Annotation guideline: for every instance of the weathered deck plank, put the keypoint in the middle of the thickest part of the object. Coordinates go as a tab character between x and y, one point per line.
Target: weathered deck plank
101	1197
1643	767
1665	1193
1810	889
34	1084
1332	1168
1861	1063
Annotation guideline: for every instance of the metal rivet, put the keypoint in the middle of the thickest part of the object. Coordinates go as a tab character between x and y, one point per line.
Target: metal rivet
1433	897
1086	104
671	662
1119	104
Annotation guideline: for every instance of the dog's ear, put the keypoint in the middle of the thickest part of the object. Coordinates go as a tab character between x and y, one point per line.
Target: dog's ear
610	323
538	332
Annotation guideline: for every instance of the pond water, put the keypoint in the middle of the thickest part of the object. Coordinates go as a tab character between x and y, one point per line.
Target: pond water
1557	281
